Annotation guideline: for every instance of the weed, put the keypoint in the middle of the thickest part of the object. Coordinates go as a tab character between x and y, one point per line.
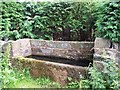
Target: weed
106	78
12	78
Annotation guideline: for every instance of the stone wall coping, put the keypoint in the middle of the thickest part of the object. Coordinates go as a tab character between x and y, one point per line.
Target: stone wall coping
48	62
65	49
57	41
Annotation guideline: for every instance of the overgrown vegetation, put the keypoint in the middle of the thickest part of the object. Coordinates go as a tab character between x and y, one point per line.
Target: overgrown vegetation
108	22
59	21
7	75
106	77
12	78
45	20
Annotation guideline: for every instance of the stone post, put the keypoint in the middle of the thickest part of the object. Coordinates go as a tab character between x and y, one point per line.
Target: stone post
104	48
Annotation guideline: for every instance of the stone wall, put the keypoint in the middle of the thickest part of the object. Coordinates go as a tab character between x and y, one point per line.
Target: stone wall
104	48
62	49
59	72
56	71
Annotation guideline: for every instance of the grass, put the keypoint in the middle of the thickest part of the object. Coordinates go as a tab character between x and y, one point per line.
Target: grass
25	80
30	83
10	77
26	83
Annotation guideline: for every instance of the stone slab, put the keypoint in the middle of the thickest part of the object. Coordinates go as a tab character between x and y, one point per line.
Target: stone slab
21	47
61	44
64	53
102	43
55	71
63	49
112	54
104	49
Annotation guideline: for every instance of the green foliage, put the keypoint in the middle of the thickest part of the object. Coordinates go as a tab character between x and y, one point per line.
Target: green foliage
7	75
106	78
108	22
13	24
60	21
73	84
12	78
45	20
25	80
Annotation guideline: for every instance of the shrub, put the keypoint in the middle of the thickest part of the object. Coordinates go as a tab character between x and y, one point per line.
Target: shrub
11	77
14	24
45	20
7	74
108	21
105	79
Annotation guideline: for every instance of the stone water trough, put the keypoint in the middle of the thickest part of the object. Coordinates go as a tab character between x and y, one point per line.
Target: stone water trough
57	60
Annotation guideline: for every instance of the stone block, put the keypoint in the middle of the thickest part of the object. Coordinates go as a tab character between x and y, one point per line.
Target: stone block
61	44
21	47
25	47
99	48
63	53
105	49
102	43
116	46
112	54
63	49
15	45
55	71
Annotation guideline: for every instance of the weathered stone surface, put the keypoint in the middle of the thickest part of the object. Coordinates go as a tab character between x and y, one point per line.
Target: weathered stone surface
21	47
61	44
63	49
15	45
105	49
112	54
116	46
56	71
63	53
25	47
100	65
102	43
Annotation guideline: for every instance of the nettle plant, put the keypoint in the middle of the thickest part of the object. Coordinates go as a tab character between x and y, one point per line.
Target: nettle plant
7	74
108	22
105	78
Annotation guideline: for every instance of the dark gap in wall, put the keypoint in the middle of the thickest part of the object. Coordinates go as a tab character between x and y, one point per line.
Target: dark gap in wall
83	63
